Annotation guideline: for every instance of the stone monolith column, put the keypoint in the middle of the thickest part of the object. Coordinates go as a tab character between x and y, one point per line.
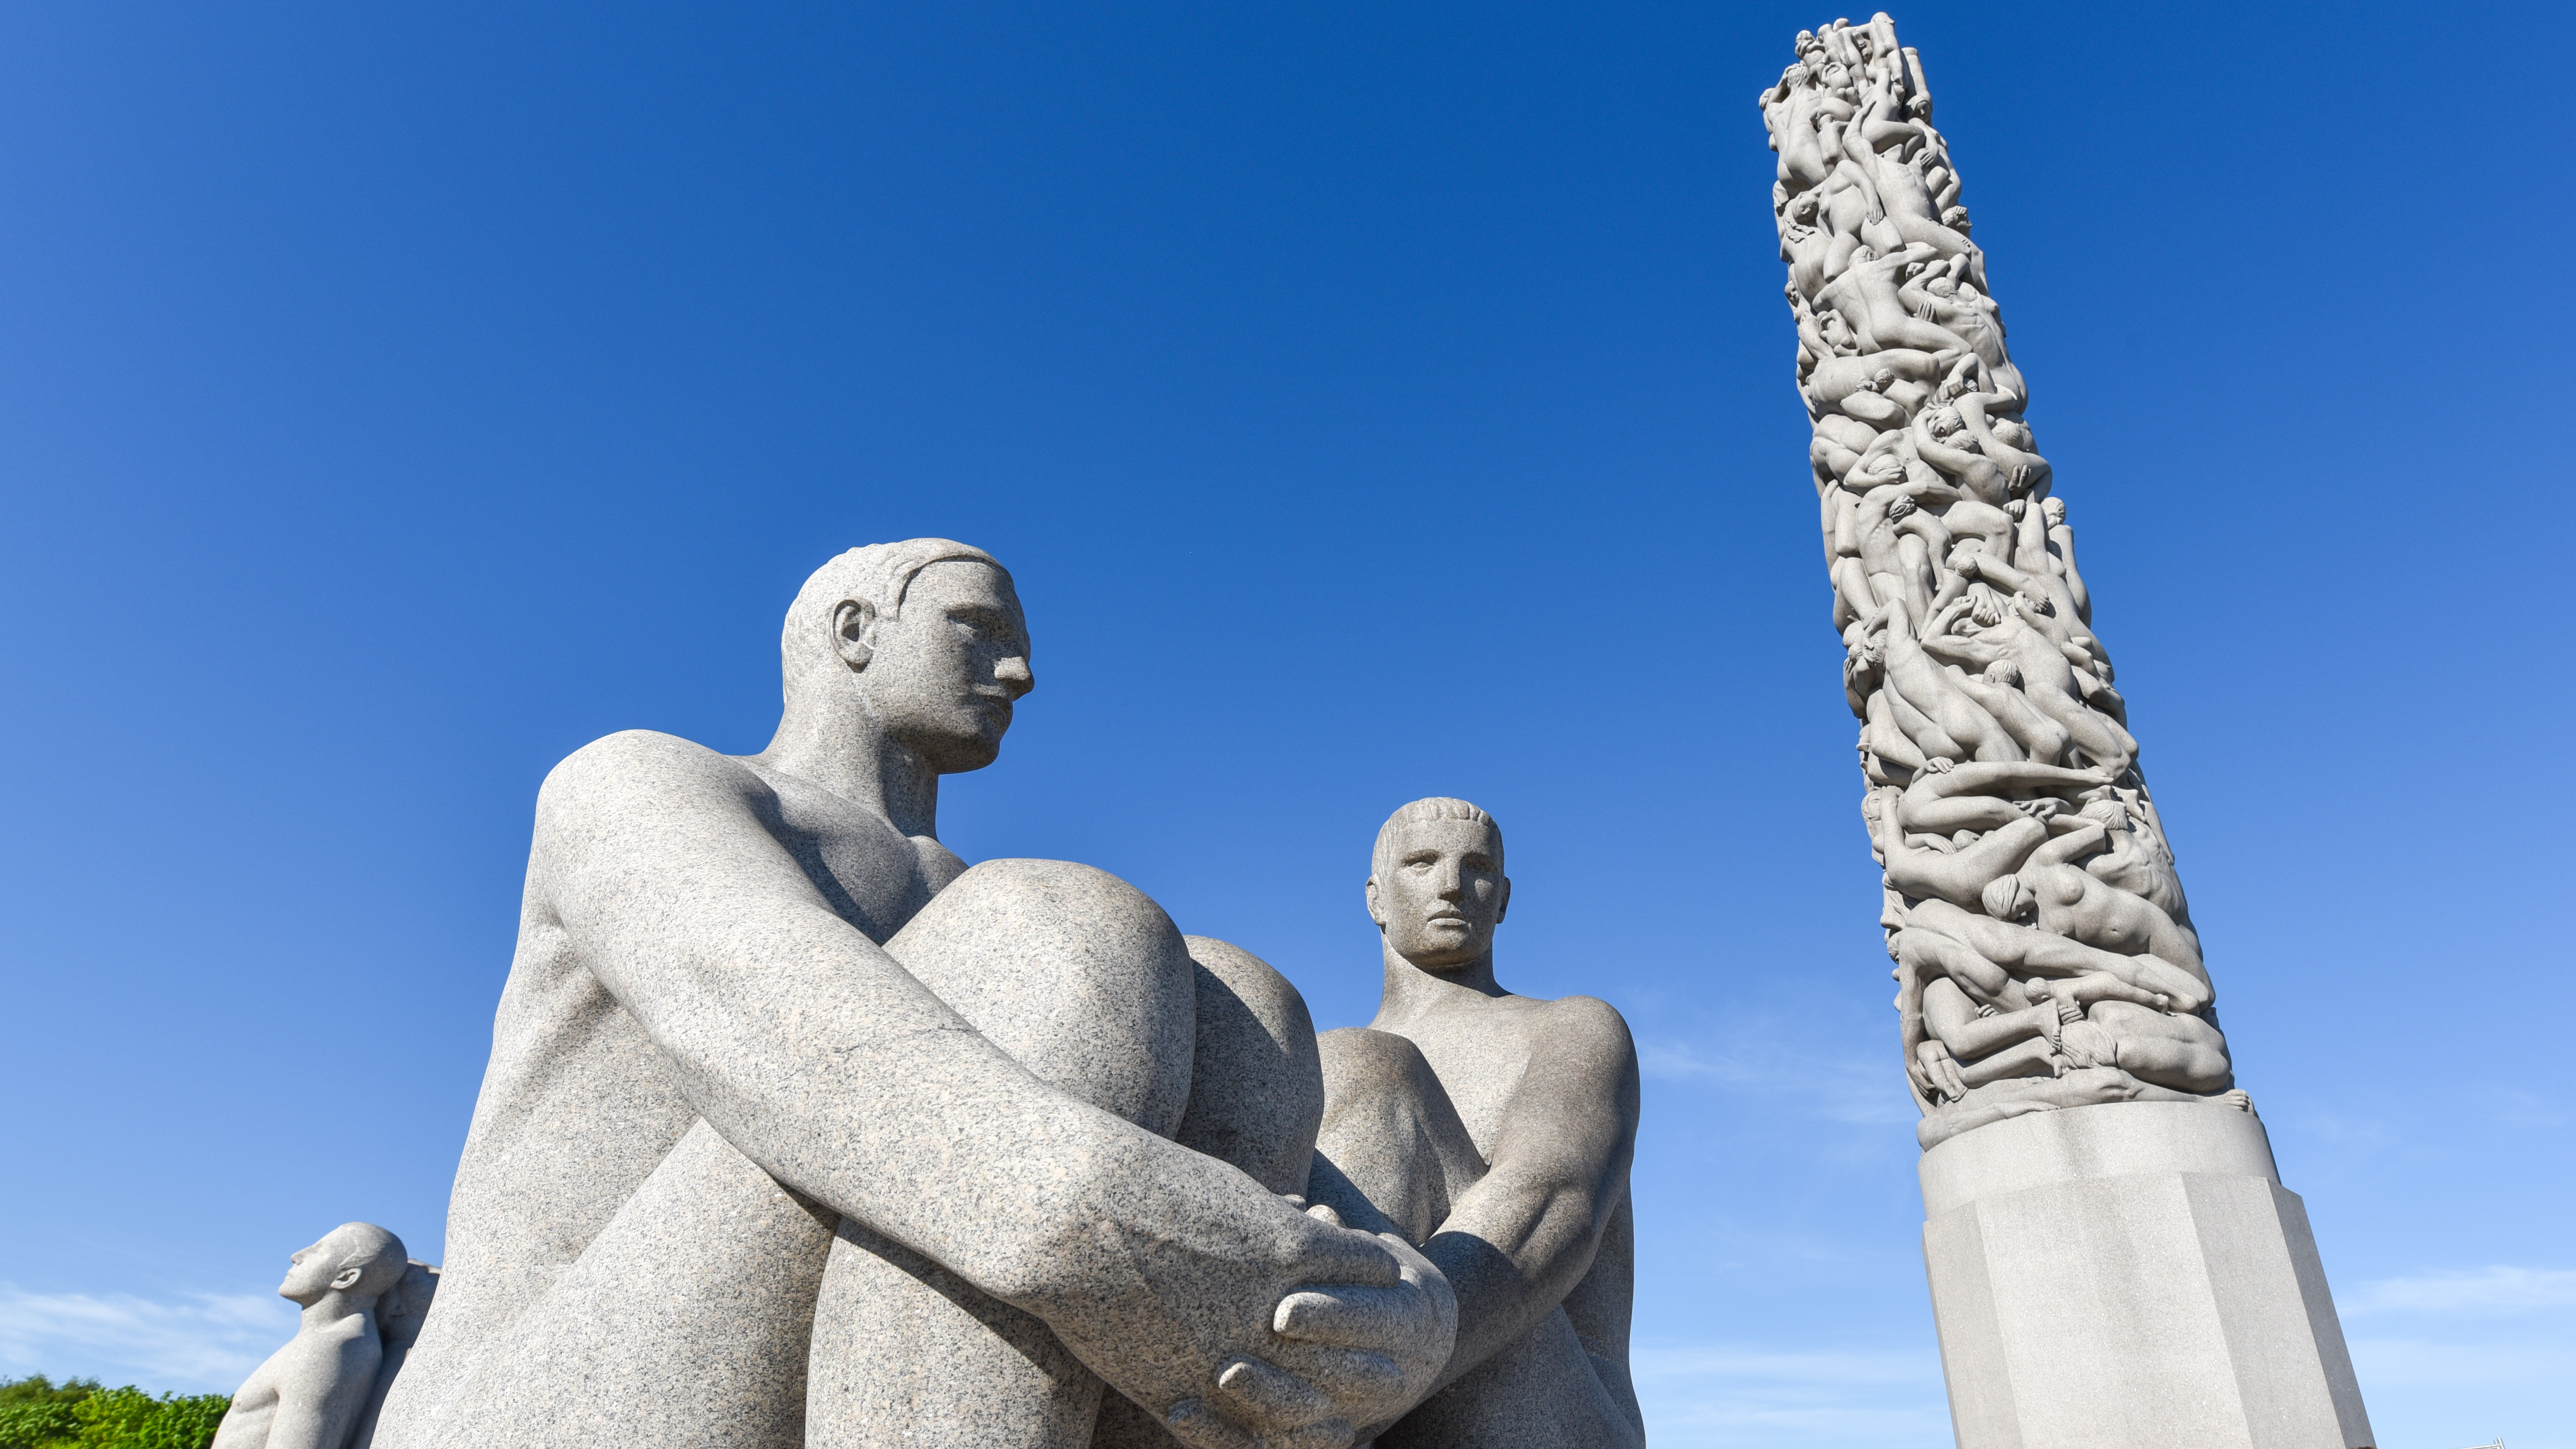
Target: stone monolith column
2114	1262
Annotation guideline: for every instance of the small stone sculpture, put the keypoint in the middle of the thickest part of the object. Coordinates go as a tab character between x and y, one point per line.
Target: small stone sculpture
1495	1131
315	1392
2044	954
797	1130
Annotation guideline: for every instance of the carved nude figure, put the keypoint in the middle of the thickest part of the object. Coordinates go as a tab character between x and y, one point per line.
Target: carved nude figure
2035	952
1495	1131
1914	675
799	1130
1865	295
312	1393
1980	1044
1960	875
2068	901
2048	679
1989	796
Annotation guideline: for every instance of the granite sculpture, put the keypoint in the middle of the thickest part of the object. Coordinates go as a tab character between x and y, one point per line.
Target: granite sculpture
2114	1263
361	1299
1495	1132
799	1130
2044	951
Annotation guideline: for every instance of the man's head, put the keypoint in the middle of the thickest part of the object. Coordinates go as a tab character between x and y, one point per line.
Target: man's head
1436	886
2110	812
2007	898
357	1259
927	633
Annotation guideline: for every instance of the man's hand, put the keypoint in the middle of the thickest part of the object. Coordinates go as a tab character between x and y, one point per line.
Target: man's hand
1239	1321
1363	1355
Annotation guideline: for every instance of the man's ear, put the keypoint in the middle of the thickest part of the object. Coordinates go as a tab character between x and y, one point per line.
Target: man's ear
347	1278
1503	907
854	632
1374	913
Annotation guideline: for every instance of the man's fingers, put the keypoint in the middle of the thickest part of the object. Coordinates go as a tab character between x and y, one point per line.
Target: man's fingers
1271	1399
1200	1427
1329	1434
1349	1316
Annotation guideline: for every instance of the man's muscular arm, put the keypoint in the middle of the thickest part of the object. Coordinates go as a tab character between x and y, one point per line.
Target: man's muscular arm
1519	1240
818	1056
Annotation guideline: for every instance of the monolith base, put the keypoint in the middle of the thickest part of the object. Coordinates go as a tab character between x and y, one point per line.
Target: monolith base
2131	1276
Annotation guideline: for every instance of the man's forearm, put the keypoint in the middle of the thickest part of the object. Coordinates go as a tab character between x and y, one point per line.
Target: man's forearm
817	1056
1512	1251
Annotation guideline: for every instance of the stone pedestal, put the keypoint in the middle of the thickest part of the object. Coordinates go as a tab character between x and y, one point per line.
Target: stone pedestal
2131	1276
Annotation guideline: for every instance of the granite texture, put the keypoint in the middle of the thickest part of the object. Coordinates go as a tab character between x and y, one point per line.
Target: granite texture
362	1301
2044	952
1496	1132
798	1129
2114	1277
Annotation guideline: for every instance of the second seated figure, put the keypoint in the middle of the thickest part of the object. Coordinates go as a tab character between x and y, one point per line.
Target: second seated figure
1494	1131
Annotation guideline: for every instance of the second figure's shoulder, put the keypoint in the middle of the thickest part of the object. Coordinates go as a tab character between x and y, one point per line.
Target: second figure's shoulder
1579	1017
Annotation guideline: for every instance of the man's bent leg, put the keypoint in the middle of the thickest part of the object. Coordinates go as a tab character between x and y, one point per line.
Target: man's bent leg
683	1324
1392	1154
1256	1098
1088	985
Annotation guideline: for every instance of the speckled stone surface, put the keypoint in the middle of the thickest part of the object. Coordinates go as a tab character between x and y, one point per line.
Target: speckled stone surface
788	1105
2132	1274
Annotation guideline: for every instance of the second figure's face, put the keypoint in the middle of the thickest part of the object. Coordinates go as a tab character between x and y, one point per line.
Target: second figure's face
1441	898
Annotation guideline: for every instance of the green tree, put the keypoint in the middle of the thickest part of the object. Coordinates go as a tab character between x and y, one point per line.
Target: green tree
35	1413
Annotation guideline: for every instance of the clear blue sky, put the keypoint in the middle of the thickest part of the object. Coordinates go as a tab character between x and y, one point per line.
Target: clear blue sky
1372	402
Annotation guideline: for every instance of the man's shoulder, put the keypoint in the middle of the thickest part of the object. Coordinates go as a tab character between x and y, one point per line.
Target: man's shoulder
638	760
1579	1021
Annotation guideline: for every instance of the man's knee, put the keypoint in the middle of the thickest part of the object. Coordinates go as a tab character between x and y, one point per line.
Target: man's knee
1063	897
1256	1088
1074	972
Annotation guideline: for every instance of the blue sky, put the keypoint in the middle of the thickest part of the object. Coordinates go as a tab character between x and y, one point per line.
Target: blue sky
1372	402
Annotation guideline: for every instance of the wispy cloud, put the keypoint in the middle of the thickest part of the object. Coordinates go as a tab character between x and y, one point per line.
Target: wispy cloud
1720	1395
1840	1088
207	1342
2482	1291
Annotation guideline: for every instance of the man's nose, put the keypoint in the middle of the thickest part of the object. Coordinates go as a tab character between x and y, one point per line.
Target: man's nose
1014	675
1452	881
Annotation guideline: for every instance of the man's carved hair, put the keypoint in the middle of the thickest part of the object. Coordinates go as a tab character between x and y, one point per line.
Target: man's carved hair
375	1253
1438	807
880	574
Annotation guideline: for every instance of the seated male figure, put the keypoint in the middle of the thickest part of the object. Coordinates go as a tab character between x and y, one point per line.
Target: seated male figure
1495	1131
799	1131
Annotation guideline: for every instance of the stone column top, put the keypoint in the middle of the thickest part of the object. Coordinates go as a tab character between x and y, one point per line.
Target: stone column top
2083	1144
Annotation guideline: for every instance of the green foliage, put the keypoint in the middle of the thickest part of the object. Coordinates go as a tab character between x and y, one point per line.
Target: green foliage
27	1423
36	1414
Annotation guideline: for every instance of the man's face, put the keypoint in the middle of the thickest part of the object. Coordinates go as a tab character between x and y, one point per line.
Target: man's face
942	675
1442	897
311	1270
